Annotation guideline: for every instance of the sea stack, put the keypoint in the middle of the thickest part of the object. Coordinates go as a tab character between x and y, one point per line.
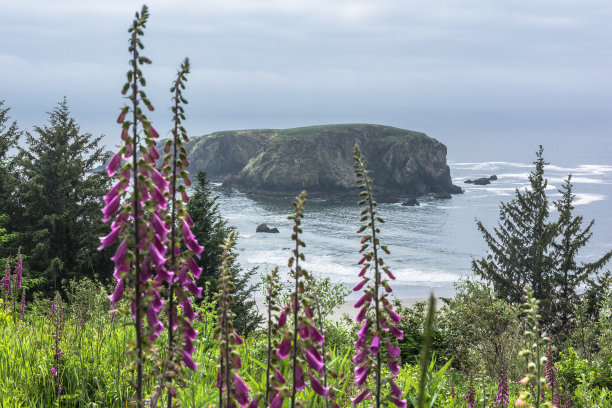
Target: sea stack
319	159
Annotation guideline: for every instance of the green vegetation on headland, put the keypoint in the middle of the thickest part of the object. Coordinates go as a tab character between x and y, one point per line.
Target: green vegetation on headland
317	159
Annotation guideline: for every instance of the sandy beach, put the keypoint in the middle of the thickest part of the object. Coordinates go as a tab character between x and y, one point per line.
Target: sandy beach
346	308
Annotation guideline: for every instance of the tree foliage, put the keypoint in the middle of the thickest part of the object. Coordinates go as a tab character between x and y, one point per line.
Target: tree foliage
211	229
60	200
9	138
528	248
570	273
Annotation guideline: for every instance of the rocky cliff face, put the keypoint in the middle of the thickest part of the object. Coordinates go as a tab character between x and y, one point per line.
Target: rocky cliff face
319	159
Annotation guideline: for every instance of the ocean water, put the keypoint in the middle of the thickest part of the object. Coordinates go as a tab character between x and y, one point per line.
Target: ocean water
432	246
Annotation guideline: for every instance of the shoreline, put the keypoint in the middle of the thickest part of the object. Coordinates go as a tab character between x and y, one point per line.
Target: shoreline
347	307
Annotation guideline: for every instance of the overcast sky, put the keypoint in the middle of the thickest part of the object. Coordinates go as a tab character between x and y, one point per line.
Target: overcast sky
469	73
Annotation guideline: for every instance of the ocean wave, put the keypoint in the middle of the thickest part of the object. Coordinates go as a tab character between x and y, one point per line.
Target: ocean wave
585	198
579	180
487	165
583	169
408	275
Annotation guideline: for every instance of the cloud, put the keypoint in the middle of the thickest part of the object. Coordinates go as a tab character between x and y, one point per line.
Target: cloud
273	63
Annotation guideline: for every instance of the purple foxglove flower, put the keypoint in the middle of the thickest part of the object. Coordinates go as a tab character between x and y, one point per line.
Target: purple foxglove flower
316	335
193	288
129	149
398	402
254	403
360	397
110	238
300	382
236	362
279	376
189	347
158	179
121	219
113	165
191	334
502	392
389	273
284	349
362	334
363	271
359	286
304	333
361	315
393	315
117	293
277	402
470	398
111	208
362	377
194	268
393	367
314	361
157	258
188	361
188	220
237	339
52	309
366	297
360	369
159	198
159	226
18	274
361	261
22	309
186	306
375	345
153	132
164	275
360	356
190	240
152	151
113	192
399	334
184	197
317	387
282	318
392	350
395	390
121	117
53	371
152	316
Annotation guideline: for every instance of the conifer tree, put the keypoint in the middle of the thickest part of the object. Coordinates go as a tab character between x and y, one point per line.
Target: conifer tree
211	230
569	273
61	200
521	247
9	138
527	248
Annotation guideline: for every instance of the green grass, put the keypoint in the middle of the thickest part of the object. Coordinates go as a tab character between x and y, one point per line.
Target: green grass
313	132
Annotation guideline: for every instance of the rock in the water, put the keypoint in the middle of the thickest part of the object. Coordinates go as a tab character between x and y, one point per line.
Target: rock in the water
493	177
411	202
468	181
443	196
319	159
265	228
482	181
